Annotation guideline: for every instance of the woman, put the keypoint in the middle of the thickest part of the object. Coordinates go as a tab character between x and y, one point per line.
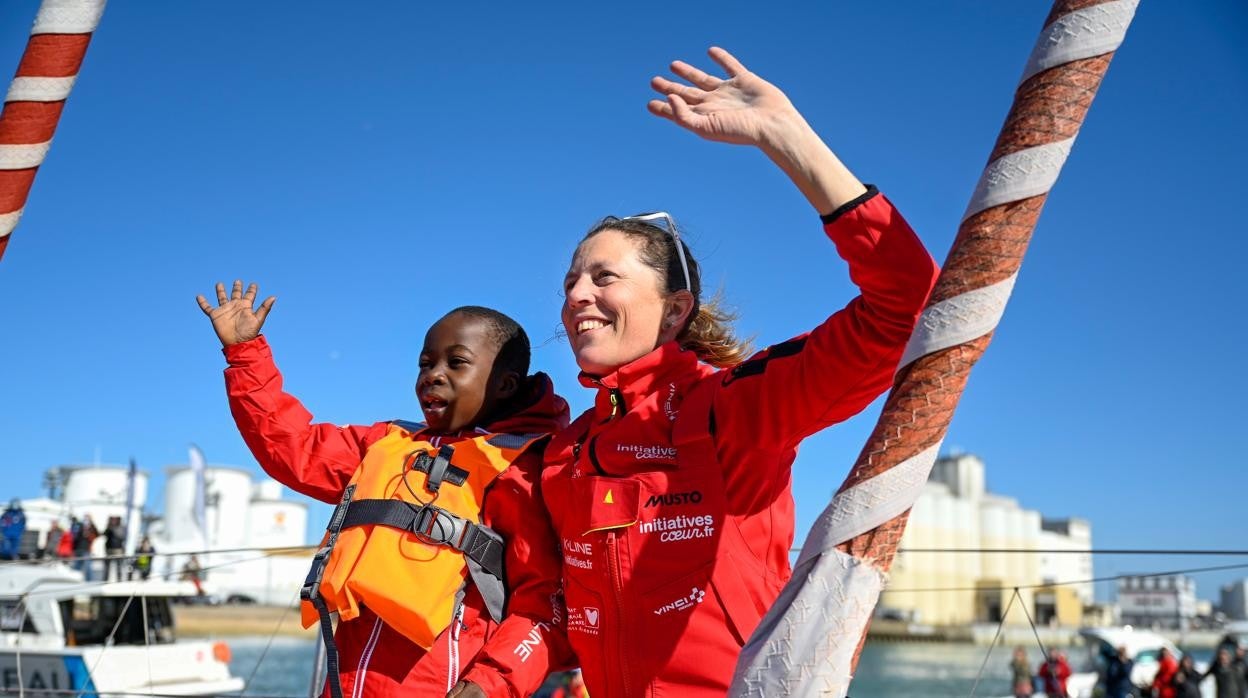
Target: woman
1187	679
1167	670
672	494
1020	669
1053	674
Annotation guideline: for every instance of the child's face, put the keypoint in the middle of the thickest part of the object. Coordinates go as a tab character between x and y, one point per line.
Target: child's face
456	386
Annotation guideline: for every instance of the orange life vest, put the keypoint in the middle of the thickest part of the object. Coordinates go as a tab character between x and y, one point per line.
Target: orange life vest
407	534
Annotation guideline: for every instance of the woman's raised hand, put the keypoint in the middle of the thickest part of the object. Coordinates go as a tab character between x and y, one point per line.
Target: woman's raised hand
743	109
236	319
747	110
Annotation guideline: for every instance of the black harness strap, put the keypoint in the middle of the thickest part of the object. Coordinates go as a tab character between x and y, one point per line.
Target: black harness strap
437	469
311	591
481	546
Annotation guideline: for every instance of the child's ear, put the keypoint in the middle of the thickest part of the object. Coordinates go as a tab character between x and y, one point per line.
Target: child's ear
508	385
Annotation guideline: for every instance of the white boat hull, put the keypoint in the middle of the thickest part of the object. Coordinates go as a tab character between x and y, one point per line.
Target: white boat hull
184	669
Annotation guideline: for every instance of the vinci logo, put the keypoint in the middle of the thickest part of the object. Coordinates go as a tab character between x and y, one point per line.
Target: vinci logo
672	499
694	598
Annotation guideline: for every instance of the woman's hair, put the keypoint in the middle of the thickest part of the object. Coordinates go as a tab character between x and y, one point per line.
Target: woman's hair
708	330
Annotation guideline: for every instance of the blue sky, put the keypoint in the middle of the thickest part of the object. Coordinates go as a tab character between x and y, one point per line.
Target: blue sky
377	164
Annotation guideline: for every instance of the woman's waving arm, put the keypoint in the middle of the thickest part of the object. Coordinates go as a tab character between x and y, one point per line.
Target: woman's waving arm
745	109
798	387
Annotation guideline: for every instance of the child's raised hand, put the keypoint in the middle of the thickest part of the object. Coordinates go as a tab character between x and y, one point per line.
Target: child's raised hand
235	319
743	109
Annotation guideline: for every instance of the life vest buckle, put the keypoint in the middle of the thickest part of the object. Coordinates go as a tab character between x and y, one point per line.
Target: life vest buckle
435	526
312	583
311	589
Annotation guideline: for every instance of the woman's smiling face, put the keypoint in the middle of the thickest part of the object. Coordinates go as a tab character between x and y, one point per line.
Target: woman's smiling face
613	310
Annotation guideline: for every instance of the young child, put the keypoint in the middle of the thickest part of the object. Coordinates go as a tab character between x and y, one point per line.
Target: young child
417	556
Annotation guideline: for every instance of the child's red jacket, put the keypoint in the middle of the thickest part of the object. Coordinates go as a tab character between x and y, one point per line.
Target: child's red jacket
505	659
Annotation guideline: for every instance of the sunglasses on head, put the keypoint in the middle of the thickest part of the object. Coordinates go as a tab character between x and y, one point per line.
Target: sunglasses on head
663	221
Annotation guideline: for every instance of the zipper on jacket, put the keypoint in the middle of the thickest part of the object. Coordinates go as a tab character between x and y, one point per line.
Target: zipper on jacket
617	402
617	407
452	649
617	588
361	673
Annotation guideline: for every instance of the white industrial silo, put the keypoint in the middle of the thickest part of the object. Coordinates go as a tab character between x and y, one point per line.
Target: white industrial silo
227	495
267	489
101	491
277	524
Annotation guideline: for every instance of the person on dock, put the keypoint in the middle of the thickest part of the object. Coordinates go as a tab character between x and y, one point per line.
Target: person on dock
65	545
1186	679
52	540
463	594
114	549
1020	669
1227	678
84	533
193	572
12	526
1118	675
1163	680
143	556
1241	670
1054	672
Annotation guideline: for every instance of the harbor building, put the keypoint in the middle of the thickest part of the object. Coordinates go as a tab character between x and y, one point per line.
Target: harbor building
955	511
1162	602
1074	535
1233	601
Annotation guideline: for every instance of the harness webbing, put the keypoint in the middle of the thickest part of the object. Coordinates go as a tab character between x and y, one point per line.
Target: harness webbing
433	525
438	469
483	550
311	592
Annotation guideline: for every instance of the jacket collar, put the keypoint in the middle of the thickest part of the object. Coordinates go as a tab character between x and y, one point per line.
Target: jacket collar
666	365
540	410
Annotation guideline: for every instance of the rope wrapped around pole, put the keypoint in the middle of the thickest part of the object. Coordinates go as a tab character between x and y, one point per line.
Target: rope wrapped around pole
36	97
809	642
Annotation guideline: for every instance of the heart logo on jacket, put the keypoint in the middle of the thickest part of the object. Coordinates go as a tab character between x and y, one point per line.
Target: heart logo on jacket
591	615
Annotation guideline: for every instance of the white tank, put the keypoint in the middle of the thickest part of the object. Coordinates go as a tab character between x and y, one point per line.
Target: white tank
180	524
275	524
101	490
227	496
267	489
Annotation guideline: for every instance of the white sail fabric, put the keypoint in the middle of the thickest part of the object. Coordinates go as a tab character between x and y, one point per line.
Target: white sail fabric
805	644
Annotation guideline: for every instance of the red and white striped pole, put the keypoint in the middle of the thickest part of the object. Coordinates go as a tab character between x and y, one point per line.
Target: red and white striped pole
33	105
808	643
